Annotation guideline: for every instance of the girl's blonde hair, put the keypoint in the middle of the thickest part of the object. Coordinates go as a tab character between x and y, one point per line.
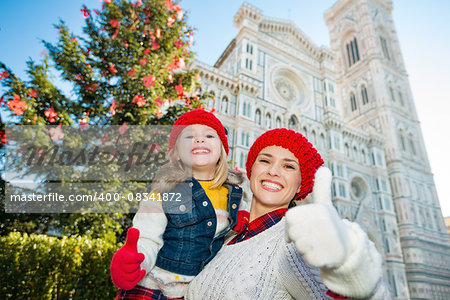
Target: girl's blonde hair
220	173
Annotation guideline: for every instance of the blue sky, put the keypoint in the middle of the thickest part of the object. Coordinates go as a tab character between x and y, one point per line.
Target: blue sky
423	28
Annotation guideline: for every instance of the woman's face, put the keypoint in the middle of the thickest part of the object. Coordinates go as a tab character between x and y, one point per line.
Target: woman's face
275	177
199	147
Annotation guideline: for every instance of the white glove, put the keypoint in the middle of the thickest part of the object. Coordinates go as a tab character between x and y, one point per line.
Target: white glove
349	262
316	229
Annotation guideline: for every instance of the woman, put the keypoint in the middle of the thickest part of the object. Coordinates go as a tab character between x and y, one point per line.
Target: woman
306	253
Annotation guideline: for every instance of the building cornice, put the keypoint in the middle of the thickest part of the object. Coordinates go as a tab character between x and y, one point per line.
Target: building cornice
340	6
236	84
248	11
371	139
274	25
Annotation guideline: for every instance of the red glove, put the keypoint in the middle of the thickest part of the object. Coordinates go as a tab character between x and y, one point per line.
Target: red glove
242	221
125	266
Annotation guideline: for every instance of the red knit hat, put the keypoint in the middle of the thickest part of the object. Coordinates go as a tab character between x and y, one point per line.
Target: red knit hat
308	157
198	116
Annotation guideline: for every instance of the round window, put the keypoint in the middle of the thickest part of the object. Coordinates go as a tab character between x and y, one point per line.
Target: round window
289	86
286	89
359	188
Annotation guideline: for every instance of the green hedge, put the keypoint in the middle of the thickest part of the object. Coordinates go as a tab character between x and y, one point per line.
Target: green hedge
43	267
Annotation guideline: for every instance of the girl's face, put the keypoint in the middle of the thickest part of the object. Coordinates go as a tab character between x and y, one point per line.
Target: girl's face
199	147
275	177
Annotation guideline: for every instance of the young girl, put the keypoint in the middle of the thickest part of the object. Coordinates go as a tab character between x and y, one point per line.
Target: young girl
173	240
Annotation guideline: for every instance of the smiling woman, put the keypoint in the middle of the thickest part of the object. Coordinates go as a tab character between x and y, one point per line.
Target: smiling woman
319	248
275	179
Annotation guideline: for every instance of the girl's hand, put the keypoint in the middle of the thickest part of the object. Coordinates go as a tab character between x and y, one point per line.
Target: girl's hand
125	266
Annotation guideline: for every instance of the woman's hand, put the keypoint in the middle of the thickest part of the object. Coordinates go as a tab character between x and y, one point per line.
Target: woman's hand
316	229
349	263
125	267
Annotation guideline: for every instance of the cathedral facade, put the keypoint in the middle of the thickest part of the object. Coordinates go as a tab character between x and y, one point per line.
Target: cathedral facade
354	103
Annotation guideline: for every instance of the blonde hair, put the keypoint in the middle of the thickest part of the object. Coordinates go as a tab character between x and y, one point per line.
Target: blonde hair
220	173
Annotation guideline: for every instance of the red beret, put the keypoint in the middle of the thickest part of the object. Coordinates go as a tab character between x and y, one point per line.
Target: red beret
198	116
308	157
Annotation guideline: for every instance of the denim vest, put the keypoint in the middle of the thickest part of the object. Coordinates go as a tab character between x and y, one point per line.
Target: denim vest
189	242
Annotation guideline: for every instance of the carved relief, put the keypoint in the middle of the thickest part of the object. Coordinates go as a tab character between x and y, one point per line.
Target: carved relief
288	86
285	88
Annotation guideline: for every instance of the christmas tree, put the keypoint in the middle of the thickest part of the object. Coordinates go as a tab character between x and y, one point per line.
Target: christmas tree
130	67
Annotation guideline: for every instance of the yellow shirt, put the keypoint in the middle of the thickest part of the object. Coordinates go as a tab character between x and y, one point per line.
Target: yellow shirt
218	196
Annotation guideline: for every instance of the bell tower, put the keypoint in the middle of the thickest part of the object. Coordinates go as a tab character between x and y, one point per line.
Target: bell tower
375	95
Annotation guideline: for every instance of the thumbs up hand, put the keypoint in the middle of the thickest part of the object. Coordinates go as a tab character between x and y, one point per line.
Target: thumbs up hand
125	266
316	229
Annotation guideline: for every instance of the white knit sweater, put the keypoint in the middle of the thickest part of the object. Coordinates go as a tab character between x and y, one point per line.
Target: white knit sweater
262	267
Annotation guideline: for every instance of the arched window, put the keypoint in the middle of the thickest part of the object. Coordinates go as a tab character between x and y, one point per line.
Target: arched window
224	107
293	122
402	141
385	48
380	203
258	117
400	97
364	95
278	122
305	131
422	218
332	102
383	225
212	103
322	141
429	221
247	109
391	91
314	137
249	48
411	145
386	245
352	52
330	87
353	102
347	150
268	121
248	64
